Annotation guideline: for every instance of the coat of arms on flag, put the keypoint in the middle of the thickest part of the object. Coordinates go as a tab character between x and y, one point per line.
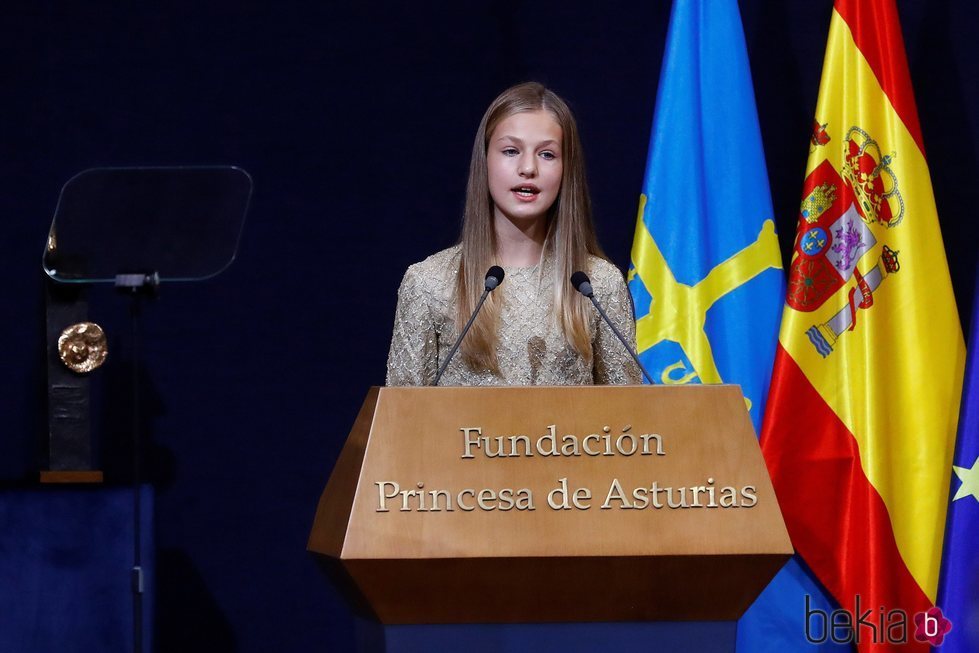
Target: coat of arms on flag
843	215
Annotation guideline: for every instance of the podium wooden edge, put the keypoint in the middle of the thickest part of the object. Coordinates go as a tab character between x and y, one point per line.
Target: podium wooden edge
555	590
336	502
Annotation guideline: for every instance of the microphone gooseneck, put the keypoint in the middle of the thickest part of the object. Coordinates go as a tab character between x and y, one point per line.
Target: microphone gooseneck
494	277
582	284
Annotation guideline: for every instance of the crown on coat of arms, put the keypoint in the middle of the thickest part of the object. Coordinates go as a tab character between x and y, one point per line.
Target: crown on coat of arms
873	180
819	135
889	258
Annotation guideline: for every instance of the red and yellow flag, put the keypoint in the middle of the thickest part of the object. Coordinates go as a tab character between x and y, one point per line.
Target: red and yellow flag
862	410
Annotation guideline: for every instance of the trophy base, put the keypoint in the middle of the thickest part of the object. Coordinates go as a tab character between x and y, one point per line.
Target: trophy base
71	476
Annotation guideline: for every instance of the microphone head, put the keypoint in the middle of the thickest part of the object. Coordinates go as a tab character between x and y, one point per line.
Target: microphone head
494	277
582	283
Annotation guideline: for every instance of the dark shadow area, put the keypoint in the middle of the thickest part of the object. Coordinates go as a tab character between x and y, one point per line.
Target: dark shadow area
114	399
950	142
188	619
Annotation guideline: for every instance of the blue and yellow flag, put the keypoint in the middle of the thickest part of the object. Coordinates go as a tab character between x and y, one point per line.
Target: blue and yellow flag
706	274
958	595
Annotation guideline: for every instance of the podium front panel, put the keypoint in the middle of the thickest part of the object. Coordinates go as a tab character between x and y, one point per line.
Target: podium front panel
522	504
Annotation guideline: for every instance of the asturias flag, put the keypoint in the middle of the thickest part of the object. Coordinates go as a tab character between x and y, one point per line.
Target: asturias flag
958	597
862	410
706	273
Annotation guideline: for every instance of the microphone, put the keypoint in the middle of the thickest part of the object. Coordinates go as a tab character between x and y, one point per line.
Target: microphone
494	277
582	284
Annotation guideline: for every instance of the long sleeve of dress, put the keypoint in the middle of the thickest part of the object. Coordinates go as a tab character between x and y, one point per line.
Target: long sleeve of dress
613	365
413	357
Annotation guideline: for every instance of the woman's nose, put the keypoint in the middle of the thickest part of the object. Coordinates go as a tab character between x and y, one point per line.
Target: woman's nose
528	166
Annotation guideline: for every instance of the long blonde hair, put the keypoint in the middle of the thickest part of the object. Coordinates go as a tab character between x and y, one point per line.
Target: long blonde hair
570	231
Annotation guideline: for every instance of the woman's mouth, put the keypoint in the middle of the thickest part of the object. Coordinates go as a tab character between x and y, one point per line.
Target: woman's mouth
526	192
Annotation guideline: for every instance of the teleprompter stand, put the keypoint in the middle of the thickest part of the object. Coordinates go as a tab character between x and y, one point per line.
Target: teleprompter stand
134	228
647	516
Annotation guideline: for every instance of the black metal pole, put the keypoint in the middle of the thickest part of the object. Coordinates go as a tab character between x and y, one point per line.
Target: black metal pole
137	570
618	334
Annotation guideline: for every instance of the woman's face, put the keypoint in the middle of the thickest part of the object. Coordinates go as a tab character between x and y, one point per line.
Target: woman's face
524	165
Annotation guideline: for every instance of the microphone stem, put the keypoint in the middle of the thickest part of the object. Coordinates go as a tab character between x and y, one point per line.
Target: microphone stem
601	311
462	335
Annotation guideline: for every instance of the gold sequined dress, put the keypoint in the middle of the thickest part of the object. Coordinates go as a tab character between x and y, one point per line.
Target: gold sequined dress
531	348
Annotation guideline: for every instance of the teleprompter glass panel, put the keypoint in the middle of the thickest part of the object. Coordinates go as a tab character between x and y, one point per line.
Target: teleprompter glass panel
182	223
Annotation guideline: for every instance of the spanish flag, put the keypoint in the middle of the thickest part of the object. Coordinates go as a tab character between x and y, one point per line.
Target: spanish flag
861	418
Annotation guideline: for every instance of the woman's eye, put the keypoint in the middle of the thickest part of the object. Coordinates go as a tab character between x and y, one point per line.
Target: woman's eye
510	151
548	155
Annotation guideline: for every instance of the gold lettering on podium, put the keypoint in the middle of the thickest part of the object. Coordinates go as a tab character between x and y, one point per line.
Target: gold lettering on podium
593	444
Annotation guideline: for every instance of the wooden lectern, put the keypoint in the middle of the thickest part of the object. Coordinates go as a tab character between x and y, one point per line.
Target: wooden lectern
552	504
